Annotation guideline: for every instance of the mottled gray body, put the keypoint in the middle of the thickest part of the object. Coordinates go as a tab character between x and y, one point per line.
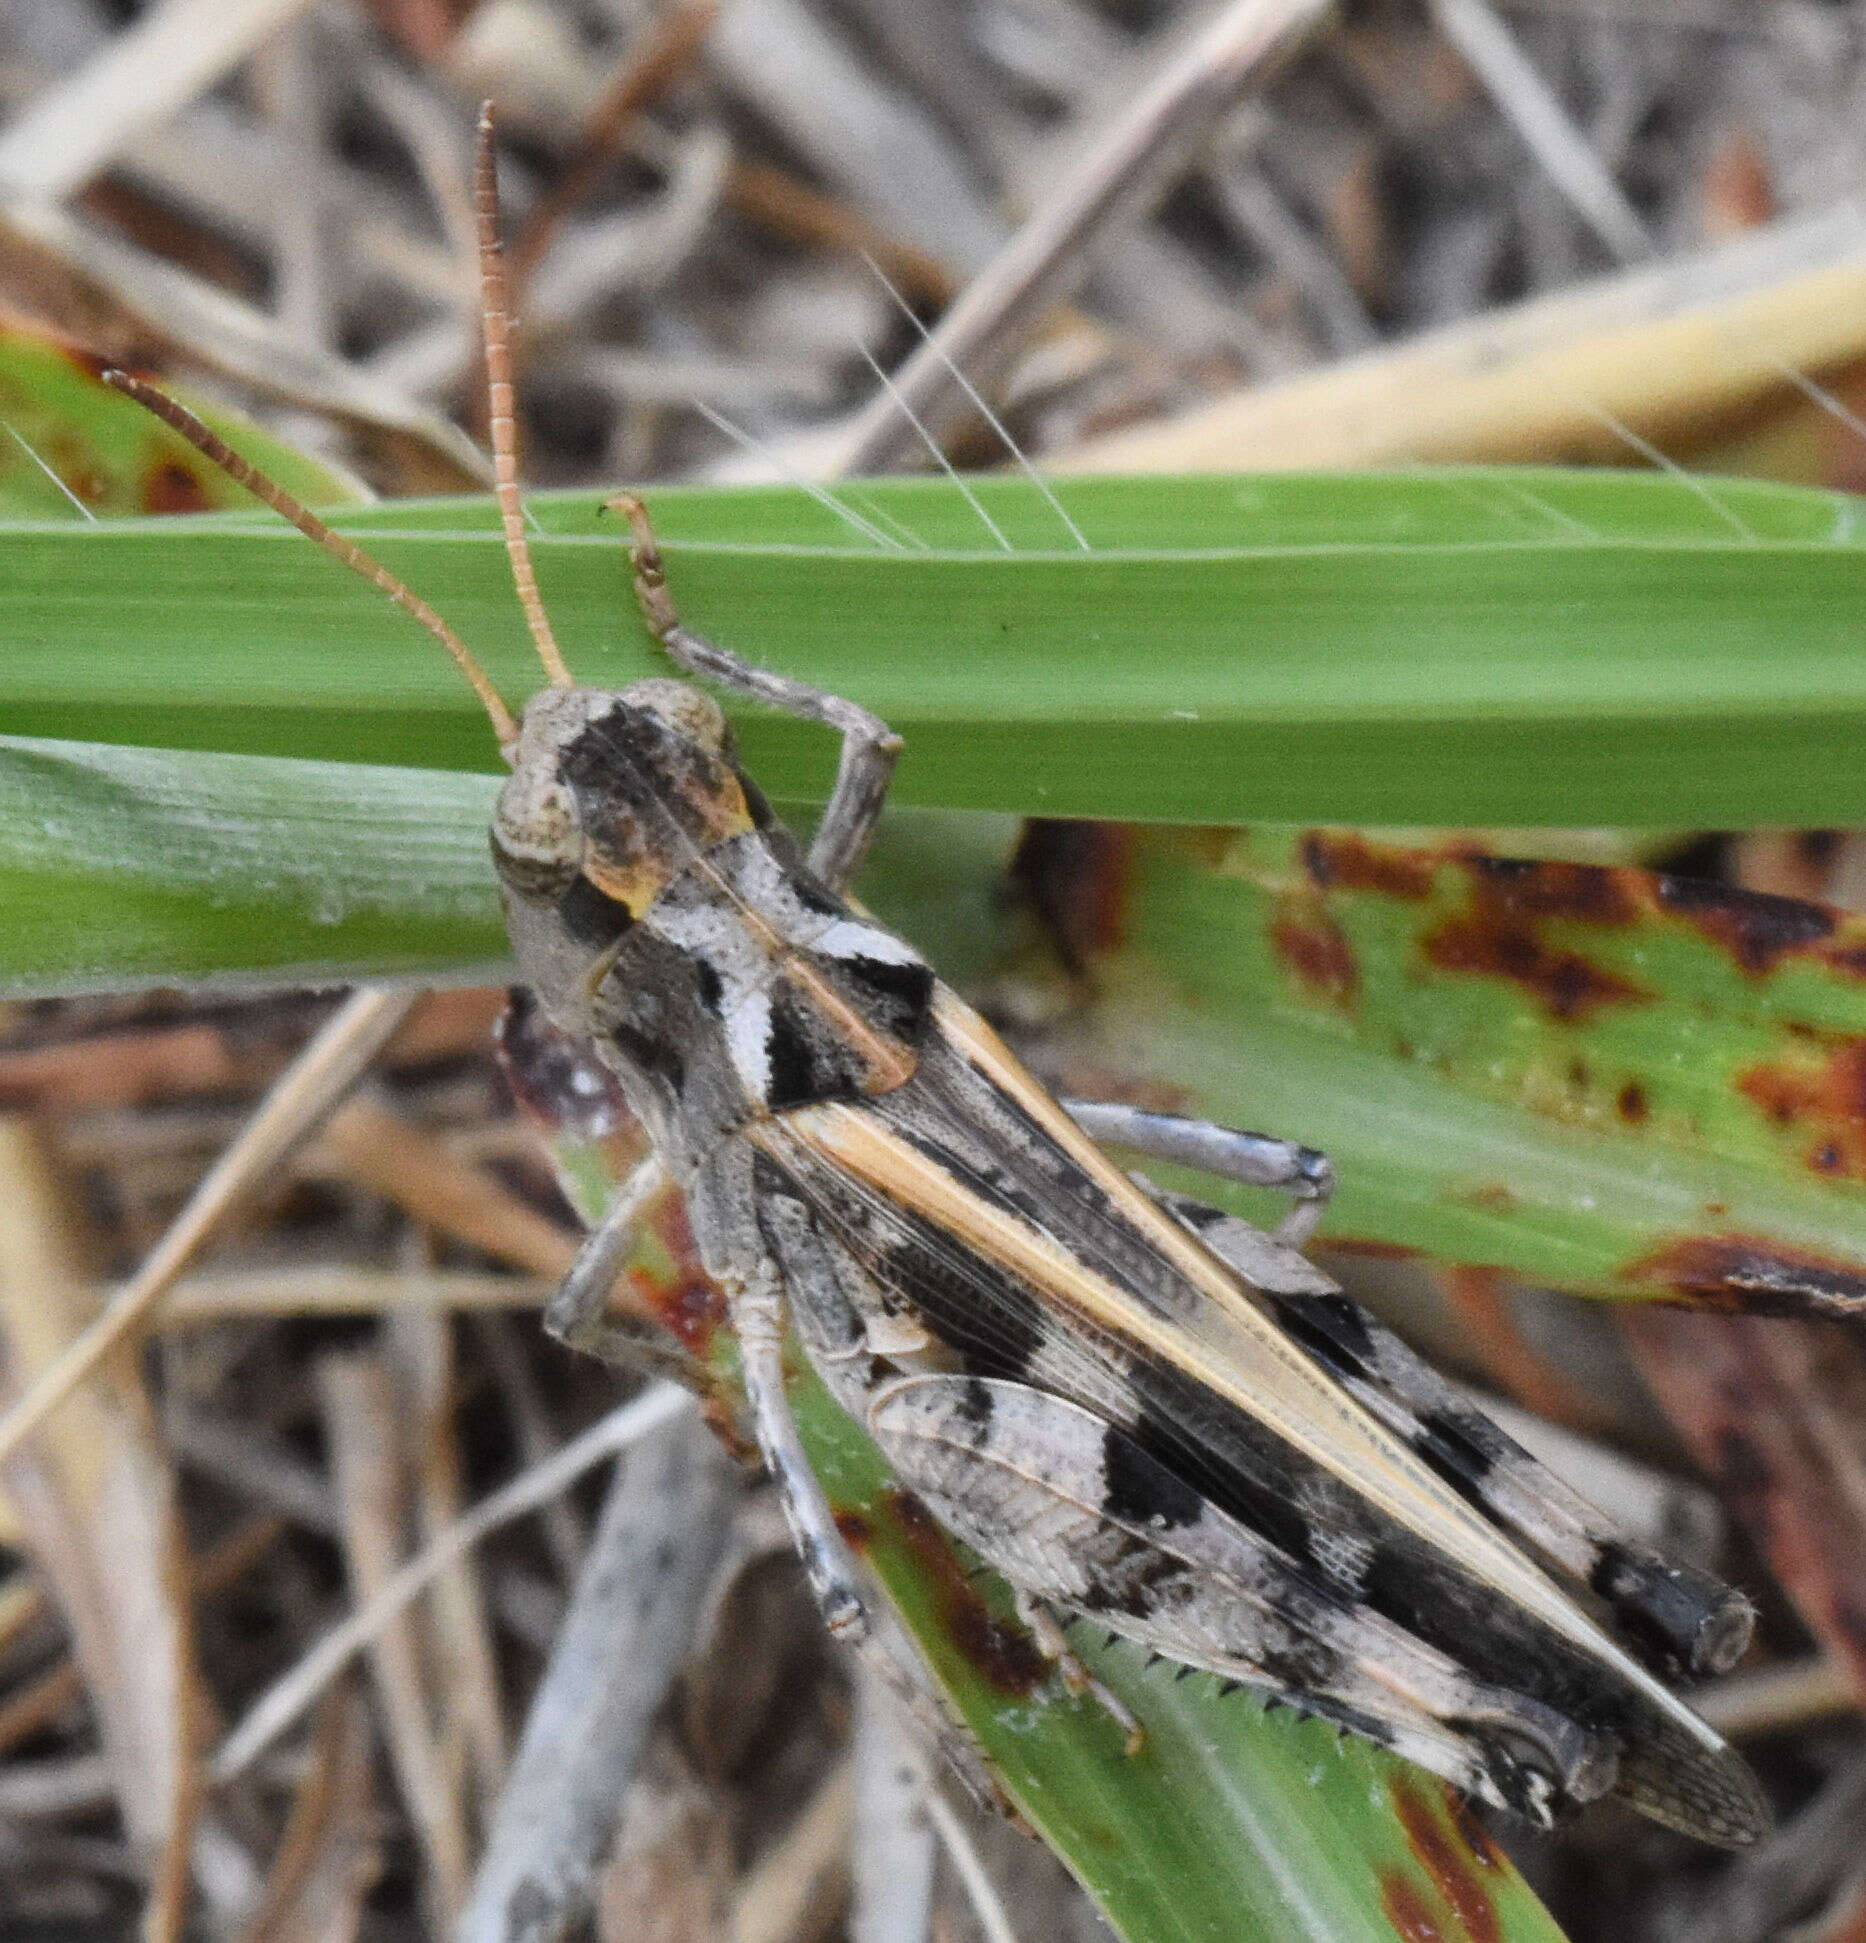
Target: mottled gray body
1138	1411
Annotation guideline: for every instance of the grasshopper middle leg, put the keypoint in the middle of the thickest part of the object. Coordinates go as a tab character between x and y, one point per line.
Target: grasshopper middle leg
1255	1159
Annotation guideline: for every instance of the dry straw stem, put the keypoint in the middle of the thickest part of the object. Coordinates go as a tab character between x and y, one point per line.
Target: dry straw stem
328	1067
656	58
1777	1698
95	1499
174	52
217	1296
133	306
289	1696
1536	113
628	1632
329	1856
362	1415
421	1354
892	1850
796	1888
369	1146
1653	349
1128	165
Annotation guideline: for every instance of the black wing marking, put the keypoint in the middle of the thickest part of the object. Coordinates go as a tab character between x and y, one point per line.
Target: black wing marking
1680	1621
1073	1512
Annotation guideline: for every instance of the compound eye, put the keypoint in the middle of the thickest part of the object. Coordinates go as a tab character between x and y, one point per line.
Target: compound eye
690	712
537	836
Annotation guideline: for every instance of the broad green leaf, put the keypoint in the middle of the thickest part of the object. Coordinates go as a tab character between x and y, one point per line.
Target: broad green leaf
1598	1079
1437	648
65	434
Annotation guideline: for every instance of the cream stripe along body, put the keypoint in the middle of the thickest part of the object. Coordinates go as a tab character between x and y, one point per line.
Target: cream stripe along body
1139	1411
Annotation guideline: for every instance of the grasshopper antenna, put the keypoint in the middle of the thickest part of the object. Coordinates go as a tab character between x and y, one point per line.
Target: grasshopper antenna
502	420
180	419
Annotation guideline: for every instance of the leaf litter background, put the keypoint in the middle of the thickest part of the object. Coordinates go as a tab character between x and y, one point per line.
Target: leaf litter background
1501	236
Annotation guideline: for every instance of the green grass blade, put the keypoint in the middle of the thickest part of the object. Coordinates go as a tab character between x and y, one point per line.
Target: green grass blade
1441	648
122	866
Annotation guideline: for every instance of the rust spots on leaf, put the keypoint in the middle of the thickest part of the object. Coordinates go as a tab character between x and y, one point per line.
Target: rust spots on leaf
168	486
1373	1249
1757	929
1406	1909
690	1307
1317	950
1491	944
1632	1104
1486	1852
1498	928
1827	1101
1075	878
1341	860
1456	1871
1751	1275
1001	1652
1585	893
1500	933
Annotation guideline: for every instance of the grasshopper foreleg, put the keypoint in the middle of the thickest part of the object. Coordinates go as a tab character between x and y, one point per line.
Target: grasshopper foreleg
579	1315
869	747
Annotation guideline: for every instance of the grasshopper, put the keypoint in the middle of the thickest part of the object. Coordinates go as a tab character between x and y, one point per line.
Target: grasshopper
1139	1411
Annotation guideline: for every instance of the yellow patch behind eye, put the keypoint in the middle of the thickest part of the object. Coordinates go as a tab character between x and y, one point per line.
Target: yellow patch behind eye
723	809
634	886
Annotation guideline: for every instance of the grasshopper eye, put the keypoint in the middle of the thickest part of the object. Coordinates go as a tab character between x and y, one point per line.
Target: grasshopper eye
537	835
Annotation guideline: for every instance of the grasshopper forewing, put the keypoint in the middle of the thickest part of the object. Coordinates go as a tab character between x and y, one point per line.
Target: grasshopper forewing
1138	1411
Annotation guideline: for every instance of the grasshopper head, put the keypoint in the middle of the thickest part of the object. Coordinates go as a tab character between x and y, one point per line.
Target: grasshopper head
612	795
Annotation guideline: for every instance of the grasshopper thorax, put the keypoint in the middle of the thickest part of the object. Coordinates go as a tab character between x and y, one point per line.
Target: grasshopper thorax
663	913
